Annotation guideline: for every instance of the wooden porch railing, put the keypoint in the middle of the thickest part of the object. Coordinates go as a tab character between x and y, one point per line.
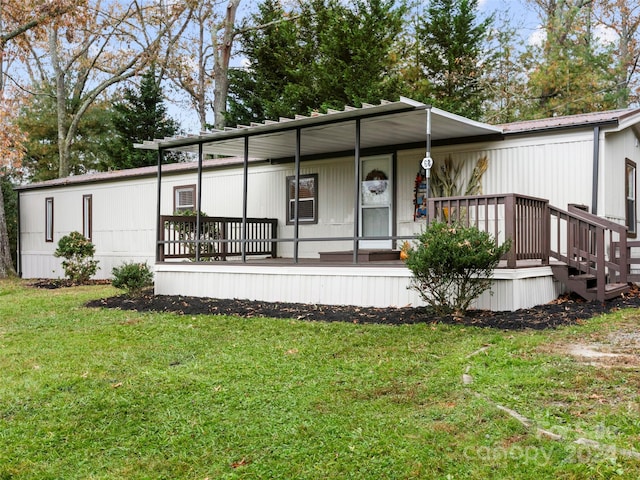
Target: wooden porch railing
218	238
592	245
522	219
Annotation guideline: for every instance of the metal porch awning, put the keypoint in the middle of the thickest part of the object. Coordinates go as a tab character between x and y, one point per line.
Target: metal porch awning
390	123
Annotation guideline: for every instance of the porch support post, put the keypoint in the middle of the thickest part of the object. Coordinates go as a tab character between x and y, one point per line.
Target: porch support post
296	223
245	190
159	226
427	159
596	165
356	202
510	229
199	201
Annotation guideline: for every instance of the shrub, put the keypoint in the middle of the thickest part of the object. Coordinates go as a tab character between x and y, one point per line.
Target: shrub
452	265
132	277
77	251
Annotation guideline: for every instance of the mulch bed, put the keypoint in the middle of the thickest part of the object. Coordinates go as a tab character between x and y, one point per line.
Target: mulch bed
566	310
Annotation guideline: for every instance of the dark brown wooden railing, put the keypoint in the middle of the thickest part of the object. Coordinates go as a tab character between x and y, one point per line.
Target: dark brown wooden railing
633	259
524	220
593	245
218	237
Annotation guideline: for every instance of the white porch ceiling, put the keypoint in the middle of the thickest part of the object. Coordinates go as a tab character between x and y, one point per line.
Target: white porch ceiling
390	123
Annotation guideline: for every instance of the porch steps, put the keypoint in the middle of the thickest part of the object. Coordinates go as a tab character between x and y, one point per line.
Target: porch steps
364	256
586	284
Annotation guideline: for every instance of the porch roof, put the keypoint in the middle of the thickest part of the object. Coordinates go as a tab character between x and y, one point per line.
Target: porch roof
390	123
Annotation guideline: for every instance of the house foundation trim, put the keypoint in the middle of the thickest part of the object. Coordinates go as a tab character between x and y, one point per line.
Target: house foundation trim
364	286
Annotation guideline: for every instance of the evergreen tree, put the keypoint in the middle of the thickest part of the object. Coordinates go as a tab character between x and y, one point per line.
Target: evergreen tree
88	151
571	70
141	115
11	214
505	80
322	53
450	57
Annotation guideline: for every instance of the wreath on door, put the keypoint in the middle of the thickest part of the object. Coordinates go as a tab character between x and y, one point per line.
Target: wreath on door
377	181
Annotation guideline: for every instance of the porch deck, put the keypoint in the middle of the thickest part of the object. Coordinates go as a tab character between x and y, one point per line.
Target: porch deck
552	250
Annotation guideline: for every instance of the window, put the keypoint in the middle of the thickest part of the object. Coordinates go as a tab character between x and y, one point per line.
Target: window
630	194
87	216
48	219
184	198
307	196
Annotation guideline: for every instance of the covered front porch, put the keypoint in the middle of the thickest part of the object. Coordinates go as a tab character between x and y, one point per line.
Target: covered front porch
284	248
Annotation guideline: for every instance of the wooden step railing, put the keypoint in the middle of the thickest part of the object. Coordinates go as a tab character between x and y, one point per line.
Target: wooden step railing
218	237
633	259
591	245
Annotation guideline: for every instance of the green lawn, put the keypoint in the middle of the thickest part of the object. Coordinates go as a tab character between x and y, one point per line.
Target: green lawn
99	394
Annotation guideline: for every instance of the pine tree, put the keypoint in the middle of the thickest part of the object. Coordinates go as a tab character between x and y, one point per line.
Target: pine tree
450	42
141	115
324	53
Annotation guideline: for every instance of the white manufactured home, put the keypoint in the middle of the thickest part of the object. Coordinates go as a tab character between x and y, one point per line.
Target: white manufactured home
315	209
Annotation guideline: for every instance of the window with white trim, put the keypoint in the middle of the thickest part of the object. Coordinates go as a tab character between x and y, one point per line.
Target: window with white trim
307	199
48	219
184	198
630	197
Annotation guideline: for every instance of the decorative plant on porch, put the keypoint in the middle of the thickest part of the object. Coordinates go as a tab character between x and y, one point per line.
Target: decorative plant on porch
446	181
187	233
452	265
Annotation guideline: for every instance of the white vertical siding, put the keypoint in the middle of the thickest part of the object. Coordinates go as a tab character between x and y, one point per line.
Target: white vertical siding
554	167
124	224
619	146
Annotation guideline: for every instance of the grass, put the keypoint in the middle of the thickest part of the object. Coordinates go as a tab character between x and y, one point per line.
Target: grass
99	394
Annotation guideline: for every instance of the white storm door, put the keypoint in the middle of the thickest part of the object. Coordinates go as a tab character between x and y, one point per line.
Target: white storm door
376	198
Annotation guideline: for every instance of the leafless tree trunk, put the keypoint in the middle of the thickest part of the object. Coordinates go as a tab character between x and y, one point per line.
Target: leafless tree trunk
222	57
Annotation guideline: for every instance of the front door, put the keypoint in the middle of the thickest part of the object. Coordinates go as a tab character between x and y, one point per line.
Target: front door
376	201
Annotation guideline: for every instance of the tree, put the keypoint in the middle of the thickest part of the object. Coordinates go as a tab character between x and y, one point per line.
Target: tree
623	18
222	48
16	19
505	79
318	53
89	150
450	57
99	47
140	116
199	64
273	84
570	71
11	212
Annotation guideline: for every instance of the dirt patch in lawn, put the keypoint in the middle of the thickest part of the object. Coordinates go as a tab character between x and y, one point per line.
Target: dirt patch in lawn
615	349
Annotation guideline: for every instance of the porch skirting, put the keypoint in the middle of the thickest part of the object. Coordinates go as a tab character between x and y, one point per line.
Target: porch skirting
368	286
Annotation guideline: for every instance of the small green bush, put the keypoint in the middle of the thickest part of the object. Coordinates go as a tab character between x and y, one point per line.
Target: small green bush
132	277
77	251
452	265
